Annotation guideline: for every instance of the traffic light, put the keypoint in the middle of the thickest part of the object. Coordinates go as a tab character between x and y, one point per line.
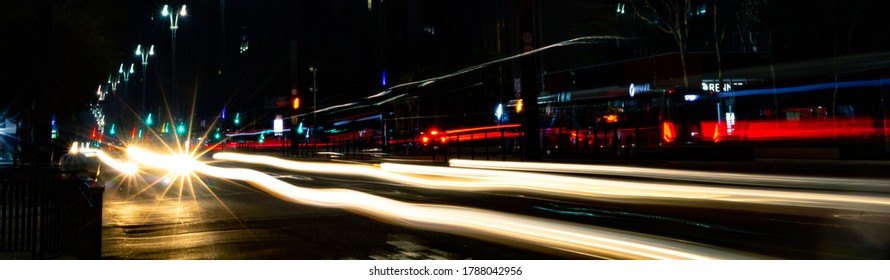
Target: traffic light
148	120
111	130
237	118
181	128
296	103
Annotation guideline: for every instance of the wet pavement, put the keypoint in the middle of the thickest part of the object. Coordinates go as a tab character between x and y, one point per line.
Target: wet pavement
228	220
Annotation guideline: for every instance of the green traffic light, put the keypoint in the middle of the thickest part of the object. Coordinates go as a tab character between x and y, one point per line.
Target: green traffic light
148	120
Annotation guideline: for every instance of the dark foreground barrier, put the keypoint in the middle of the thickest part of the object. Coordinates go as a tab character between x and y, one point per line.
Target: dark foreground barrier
50	214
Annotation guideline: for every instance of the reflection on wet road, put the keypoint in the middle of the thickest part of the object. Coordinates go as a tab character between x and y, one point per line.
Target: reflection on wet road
571	216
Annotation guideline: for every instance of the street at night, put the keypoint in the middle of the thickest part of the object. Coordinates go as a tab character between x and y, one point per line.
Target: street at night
522	139
158	216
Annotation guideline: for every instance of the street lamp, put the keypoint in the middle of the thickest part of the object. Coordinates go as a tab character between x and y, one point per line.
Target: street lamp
314	91
174	25
121	72
144	56
99	93
112	82
125	74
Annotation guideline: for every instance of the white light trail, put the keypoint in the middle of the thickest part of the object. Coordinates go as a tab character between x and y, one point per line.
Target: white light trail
826	183
353	169
464	179
501	227
599	188
128	168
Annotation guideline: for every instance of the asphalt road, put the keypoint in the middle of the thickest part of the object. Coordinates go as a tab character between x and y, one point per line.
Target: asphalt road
215	218
232	220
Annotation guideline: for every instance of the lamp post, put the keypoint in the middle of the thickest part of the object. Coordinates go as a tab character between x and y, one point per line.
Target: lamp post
314	91
112	82
144	56
111	87
121	72
125	74
174	25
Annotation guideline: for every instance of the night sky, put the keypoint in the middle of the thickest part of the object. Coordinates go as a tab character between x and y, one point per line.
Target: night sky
58	52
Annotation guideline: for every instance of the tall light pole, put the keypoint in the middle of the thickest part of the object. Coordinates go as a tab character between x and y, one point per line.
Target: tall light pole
144	56
174	25
112	82
314	90
122	72
112	86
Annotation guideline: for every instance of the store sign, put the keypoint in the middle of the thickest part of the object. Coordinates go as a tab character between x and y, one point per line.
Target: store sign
726	85
716	87
634	89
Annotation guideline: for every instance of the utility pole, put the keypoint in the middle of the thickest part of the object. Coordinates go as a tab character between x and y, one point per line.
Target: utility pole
314	90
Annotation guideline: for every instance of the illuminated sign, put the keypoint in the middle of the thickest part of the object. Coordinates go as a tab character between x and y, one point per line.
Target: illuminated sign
634	89
278	126
726	85
716	87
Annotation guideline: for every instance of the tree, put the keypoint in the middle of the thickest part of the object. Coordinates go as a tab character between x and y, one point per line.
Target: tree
671	17
751	16
719	35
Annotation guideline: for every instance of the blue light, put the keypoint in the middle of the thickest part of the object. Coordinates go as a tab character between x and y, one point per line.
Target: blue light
55	130
384	78
804	88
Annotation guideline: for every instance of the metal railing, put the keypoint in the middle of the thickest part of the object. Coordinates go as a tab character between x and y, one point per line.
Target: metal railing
50	214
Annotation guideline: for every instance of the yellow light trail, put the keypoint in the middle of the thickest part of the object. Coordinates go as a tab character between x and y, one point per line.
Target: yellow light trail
599	188
497	226
128	168
464	179
826	183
